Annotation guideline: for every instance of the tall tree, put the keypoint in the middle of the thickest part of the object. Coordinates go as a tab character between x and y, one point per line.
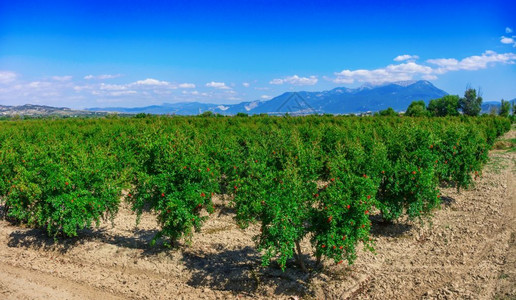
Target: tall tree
417	109
505	108
387	112
445	106
471	103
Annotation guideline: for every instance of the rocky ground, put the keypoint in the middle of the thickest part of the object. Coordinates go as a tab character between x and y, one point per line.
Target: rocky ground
468	251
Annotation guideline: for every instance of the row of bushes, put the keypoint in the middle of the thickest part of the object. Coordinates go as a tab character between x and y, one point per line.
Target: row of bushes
317	177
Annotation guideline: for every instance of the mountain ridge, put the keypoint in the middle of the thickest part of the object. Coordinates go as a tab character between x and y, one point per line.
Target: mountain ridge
44	110
340	100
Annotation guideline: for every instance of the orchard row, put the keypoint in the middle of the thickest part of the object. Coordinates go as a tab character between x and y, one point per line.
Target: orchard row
316	177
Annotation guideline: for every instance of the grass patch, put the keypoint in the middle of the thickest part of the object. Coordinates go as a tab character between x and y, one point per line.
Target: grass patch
505	144
496	164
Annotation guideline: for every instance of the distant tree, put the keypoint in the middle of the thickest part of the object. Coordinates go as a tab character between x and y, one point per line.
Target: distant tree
141	115
493	111
112	116
471	104
207	114
241	114
417	109
505	108
387	112
261	115
445	106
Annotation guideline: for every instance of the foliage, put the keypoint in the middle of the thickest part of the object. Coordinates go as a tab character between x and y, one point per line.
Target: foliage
444	106
505	108
177	182
60	183
313	177
417	109
142	115
471	104
389	112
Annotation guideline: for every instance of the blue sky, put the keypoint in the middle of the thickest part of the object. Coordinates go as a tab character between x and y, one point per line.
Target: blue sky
136	53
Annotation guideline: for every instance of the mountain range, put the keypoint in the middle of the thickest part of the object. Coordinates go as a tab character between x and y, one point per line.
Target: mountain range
367	98
342	100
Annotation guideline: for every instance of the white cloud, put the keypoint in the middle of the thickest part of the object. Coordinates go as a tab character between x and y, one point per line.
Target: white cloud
151	81
276	81
508	30
112	87
76	93
7	77
190	93
154	85
508	40
246	84
162	92
295	80
187	86
122	93
39	84
103	76
400	72
406	57
446	63
472	63
39	91
217	85
411	70
429	77
61	78
79	88
108	76
265	97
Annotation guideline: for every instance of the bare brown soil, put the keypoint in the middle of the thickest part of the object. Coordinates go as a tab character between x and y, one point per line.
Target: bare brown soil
466	251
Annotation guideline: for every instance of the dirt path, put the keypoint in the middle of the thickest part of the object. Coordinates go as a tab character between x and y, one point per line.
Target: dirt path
20	283
467	252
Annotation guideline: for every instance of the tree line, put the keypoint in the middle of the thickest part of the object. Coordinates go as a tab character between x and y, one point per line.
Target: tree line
451	105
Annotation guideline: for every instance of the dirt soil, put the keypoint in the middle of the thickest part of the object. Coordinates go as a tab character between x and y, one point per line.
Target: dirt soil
467	251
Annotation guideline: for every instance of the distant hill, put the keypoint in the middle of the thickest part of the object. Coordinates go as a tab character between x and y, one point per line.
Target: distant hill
42	110
397	95
182	108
